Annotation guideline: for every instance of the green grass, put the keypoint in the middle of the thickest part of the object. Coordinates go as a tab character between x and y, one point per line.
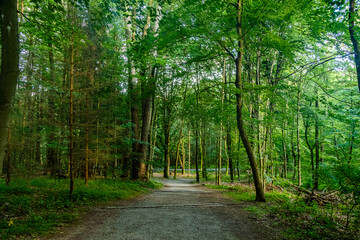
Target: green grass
297	219
37	206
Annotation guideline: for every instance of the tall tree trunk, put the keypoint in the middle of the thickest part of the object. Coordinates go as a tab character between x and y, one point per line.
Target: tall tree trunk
218	182
260	195
167	155
311	149
50	152
203	155
189	156
87	140
9	68
355	43
317	146
298	136
152	139
183	154
271	154
229	151
133	96
284	149
178	148
71	121
197	155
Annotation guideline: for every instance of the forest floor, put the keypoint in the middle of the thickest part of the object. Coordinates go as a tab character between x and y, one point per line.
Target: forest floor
179	210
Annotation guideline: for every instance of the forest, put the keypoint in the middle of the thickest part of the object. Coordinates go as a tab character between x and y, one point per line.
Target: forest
264	92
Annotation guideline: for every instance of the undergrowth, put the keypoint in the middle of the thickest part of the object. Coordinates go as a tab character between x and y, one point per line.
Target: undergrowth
38	206
298	219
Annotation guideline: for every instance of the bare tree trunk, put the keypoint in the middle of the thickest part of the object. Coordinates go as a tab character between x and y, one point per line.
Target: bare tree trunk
133	93
311	148
51	159
9	68
298	137
71	122
317	146
271	153
87	140
197	155
355	43
218	182
167	154
260	196
152	139
183	154
284	149
189	156
178	147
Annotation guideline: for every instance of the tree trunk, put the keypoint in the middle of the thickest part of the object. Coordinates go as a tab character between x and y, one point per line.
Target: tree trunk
284	149
203	155
317	146
189	156
352	17
167	156
260	196
298	136
231	167
50	152
311	149
9	68
218	182
71	122
87	141
271	153
133	96
152	139
178	148
183	154
197	156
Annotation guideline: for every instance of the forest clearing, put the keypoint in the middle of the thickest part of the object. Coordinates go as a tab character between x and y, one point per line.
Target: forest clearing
256	99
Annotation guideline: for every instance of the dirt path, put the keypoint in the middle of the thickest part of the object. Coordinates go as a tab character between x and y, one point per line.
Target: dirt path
180	210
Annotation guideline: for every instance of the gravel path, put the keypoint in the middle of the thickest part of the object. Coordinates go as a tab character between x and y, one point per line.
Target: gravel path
180	210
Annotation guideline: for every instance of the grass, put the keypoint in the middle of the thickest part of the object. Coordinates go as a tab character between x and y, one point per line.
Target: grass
297	219
33	207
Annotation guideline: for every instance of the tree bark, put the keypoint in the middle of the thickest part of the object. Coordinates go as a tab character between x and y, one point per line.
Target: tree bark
71	121
311	148
189	156
317	147
260	196
9	68
355	43
298	137
87	140
178	148
183	154
197	155
285	154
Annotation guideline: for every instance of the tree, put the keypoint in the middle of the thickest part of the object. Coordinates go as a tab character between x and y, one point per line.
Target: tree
9	68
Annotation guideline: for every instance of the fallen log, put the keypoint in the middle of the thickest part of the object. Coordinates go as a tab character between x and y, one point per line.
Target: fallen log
319	197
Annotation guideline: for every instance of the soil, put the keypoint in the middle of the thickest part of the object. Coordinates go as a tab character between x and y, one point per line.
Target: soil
180	210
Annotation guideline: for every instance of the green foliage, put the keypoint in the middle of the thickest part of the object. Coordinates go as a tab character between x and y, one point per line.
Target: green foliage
34	207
